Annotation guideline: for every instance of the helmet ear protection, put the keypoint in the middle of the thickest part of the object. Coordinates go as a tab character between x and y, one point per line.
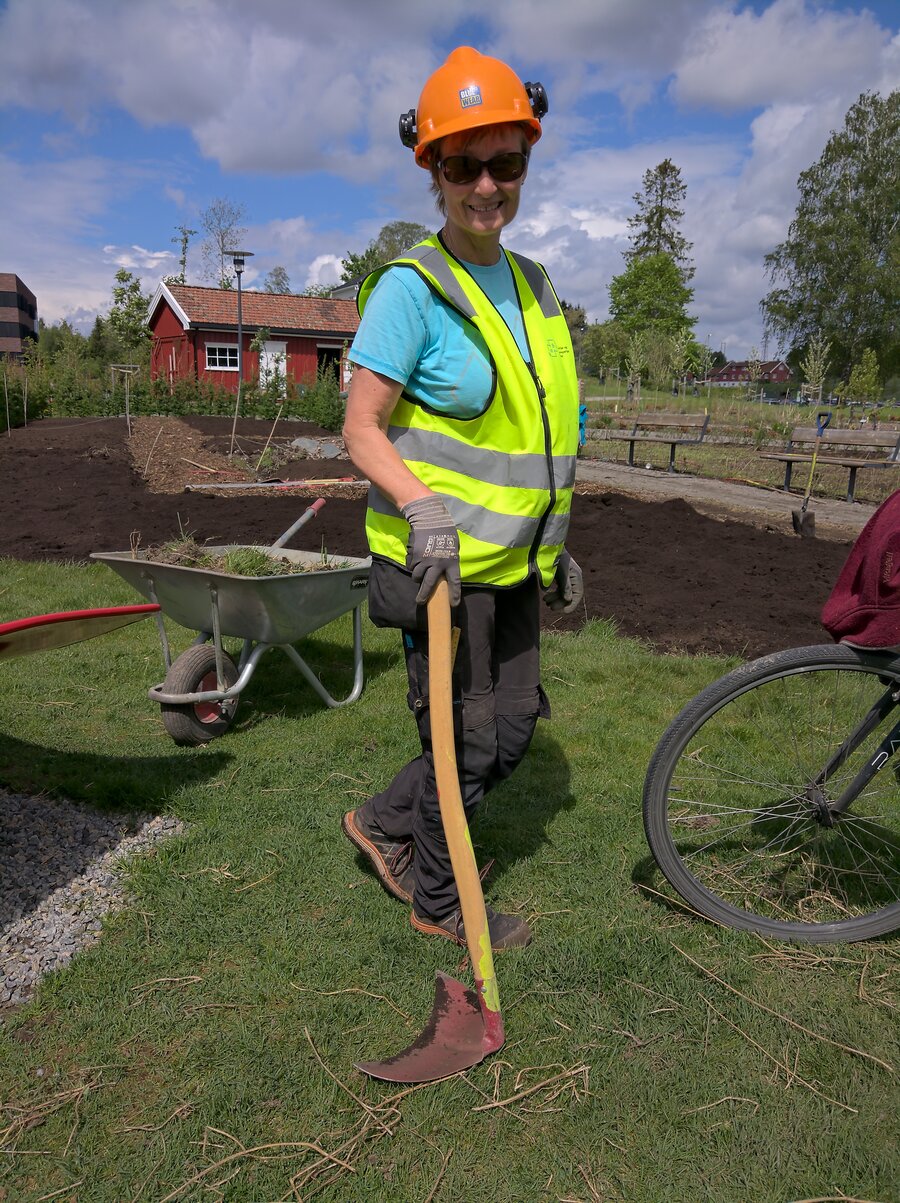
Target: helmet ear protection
408	135
537	94
537	97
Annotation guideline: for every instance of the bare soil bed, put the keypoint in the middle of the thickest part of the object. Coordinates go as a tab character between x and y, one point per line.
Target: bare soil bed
678	579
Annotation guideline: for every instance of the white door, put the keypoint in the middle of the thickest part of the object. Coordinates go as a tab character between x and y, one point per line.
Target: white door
273	365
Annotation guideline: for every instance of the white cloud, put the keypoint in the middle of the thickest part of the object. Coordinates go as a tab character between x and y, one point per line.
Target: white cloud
138	259
787	52
324	269
309	88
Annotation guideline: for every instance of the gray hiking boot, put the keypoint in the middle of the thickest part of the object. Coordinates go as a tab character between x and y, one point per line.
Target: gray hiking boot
391	859
507	931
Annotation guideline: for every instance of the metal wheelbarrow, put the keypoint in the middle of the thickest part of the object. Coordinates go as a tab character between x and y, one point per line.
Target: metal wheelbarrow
199	696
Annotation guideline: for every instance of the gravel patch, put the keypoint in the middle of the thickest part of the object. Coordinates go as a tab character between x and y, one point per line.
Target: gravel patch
60	873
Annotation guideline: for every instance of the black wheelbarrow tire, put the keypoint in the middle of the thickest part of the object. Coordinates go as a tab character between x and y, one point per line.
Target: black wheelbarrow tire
194	723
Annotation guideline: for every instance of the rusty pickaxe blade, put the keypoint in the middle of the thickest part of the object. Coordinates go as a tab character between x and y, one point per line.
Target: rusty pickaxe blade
465	1026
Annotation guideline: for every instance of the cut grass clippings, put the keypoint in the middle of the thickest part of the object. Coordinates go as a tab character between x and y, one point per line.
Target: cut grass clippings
205	1047
186	552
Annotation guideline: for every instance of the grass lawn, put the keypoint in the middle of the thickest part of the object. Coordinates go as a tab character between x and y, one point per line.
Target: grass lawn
204	1048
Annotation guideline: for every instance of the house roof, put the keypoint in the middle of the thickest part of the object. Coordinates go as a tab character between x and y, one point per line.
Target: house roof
743	365
217	307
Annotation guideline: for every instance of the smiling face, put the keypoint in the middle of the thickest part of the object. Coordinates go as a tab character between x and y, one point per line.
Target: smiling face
477	212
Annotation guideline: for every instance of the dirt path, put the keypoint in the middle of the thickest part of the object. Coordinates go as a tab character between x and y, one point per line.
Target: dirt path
681	574
767	508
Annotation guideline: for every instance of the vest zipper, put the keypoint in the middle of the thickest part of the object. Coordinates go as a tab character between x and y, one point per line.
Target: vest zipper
548	447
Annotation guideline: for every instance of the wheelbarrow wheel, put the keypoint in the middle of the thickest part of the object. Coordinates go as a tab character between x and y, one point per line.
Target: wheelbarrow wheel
195	723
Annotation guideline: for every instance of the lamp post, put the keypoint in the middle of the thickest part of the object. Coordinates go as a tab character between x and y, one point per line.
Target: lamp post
237	259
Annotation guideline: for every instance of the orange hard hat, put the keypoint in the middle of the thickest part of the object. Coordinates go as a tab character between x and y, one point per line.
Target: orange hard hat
471	90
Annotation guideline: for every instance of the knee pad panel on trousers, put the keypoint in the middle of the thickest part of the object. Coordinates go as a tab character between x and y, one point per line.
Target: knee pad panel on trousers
514	735
477	754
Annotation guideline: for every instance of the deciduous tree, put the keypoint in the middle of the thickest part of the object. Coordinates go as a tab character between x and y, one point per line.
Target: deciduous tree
838	270
814	365
393	239
277	280
128	315
604	347
576	320
865	380
221	222
651	295
182	238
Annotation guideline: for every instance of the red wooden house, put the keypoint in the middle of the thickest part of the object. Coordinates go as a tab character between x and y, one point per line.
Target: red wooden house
737	371
195	333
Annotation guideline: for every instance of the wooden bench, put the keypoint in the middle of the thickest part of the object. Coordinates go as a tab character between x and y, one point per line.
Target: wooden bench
678	430
851	449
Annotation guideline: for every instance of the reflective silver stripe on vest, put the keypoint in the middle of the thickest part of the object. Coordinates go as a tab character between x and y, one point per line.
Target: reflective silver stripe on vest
434	262
539	285
503	530
491	467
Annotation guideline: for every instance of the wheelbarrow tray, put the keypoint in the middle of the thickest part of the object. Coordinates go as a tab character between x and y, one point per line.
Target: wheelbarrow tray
265	609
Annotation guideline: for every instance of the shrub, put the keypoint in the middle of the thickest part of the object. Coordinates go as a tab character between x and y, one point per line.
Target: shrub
320	401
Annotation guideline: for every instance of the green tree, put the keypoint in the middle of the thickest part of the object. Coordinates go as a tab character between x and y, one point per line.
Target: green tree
814	366
221	222
277	280
865	380
52	340
838	270
682	358
636	362
97	348
317	290
704	360
393	239
651	295
655	227
754	375
127	319
604	348
182	239
576	320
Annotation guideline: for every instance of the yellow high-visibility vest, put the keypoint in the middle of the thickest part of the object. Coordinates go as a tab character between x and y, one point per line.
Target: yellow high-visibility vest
506	476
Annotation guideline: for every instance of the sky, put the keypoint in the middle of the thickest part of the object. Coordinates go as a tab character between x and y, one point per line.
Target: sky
121	120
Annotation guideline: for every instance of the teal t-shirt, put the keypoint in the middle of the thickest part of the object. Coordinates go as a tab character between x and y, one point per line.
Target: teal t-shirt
411	335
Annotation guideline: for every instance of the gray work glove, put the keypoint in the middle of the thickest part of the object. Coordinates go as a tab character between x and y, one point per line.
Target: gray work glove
433	548
567	591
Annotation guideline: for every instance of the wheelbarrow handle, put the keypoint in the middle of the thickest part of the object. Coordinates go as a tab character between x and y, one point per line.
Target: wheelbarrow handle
305	517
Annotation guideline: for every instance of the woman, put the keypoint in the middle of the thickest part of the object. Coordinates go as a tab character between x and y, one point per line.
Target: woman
463	413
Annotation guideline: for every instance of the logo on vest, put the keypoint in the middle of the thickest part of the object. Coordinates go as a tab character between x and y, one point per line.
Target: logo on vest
552	346
470	96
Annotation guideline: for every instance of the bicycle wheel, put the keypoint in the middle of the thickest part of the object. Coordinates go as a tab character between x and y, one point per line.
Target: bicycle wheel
737	797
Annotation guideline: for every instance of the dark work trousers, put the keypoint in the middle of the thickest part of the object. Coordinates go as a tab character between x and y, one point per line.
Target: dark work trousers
497	699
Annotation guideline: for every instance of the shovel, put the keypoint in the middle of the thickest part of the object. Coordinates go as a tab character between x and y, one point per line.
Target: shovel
45	632
465	1026
805	521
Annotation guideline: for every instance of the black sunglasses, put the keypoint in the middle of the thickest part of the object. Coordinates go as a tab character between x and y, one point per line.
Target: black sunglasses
466	169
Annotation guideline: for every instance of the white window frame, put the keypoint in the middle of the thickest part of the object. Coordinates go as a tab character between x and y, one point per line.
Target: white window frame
230	349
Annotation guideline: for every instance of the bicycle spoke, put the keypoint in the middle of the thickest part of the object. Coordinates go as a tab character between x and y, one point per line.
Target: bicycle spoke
747	798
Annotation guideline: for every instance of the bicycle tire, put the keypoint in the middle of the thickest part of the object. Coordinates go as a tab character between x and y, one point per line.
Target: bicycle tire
737	764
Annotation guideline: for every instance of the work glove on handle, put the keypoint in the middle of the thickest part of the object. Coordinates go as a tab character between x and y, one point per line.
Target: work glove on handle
432	551
567	591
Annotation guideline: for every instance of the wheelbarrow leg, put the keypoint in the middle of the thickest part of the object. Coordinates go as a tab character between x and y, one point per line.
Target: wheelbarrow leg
311	678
